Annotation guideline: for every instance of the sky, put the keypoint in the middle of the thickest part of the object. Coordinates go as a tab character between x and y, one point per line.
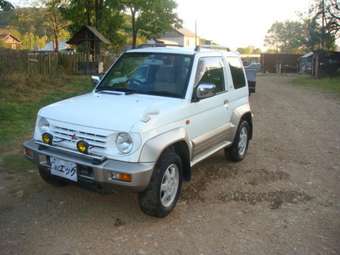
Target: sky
232	23
237	23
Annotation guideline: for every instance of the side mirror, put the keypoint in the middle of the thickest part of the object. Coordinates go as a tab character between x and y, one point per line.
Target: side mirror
95	80
205	90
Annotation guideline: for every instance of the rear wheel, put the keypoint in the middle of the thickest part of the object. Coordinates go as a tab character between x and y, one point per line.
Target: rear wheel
51	179
239	148
161	196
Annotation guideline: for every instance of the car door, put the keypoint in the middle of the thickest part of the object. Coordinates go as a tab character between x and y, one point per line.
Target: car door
210	116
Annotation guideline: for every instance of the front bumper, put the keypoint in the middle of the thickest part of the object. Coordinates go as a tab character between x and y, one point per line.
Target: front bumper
99	171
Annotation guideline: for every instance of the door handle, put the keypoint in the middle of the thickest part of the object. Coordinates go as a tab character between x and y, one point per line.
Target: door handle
226	102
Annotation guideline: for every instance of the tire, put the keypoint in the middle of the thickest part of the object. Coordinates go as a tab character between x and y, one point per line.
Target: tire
238	149
154	201
50	179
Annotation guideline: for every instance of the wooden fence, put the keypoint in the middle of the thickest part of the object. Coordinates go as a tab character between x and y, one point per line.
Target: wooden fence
51	63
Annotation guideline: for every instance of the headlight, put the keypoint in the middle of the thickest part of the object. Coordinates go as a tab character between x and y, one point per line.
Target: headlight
43	125
124	143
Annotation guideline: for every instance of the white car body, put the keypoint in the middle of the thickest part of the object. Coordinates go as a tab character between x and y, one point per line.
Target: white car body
153	122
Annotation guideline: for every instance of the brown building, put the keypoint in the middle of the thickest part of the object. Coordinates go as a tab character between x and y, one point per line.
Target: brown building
9	40
90	40
279	62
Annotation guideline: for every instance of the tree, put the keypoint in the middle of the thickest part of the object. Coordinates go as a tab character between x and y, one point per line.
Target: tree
315	38
88	12
334	10
7	13
27	24
6	6
30	40
54	21
249	50
30	20
325	19
105	15
288	37
151	18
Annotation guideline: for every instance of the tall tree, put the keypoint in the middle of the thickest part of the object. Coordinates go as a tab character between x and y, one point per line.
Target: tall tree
6	6
249	50
105	15
7	12
315	37
151	18
27	24
288	37
334	9
325	16
55	23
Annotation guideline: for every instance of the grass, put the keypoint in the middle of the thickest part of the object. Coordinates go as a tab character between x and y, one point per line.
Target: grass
16	162
324	84
22	96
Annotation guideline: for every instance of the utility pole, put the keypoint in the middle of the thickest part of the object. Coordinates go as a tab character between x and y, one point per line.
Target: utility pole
323	25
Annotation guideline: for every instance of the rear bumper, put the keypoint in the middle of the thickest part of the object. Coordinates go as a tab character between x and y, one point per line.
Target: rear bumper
94	171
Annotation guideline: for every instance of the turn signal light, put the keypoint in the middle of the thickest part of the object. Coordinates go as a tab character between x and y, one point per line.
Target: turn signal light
122	177
28	153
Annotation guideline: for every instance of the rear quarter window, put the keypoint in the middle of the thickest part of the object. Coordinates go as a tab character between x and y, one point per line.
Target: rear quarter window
237	73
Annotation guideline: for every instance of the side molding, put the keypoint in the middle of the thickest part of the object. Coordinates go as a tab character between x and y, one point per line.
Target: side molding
153	148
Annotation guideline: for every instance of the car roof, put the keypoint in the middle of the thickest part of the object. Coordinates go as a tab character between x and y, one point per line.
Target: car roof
184	51
173	50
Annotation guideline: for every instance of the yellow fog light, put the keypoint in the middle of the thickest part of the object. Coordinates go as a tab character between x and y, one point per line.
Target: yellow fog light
82	146
47	138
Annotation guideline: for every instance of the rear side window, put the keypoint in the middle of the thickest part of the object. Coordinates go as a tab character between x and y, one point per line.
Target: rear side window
237	72
210	70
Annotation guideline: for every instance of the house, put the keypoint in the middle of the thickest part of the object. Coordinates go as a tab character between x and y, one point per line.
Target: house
62	46
179	36
306	63
9	40
320	63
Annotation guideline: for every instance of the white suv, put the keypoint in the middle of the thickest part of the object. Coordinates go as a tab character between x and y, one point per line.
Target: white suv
155	113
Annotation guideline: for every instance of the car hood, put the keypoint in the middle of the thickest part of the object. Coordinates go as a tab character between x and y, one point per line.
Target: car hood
109	111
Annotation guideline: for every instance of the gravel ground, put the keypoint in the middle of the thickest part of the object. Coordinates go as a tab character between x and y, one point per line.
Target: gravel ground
282	199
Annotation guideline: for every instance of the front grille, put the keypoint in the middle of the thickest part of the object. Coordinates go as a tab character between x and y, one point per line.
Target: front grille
68	135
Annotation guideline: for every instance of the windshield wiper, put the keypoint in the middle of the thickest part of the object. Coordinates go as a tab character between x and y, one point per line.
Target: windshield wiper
126	91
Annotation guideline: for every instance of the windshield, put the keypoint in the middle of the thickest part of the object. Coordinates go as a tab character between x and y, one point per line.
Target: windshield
149	73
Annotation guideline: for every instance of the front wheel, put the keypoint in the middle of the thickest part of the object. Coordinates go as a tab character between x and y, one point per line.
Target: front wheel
239	148
161	196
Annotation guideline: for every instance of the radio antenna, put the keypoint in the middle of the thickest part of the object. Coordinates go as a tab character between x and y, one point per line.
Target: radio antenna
196	44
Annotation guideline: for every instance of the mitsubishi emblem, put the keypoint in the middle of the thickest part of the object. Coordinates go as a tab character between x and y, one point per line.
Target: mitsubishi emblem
73	137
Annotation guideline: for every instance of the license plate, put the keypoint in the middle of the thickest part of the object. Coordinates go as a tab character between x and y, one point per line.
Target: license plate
65	169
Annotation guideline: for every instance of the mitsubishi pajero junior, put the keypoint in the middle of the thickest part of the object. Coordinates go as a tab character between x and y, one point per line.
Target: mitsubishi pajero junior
155	113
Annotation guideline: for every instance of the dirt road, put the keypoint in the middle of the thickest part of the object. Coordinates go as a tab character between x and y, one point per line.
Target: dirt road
284	198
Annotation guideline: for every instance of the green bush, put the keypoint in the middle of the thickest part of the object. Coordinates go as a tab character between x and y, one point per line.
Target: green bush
21	96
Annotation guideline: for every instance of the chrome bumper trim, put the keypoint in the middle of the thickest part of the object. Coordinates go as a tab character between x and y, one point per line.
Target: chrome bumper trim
55	147
102	170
